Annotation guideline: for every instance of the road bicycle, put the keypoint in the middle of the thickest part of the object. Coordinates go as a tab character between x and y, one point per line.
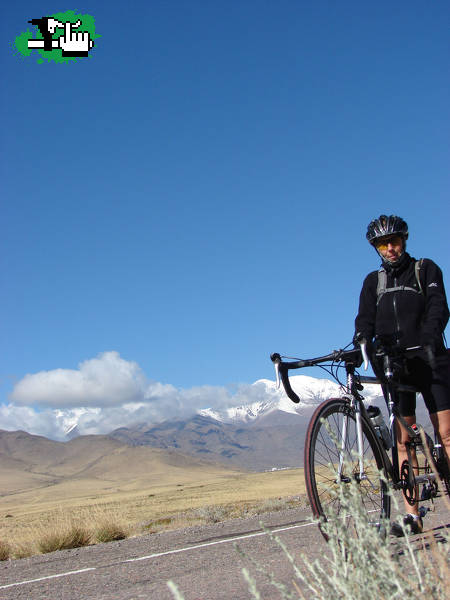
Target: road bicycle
347	442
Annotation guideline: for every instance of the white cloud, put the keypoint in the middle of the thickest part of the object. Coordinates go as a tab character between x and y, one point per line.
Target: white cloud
103	381
105	393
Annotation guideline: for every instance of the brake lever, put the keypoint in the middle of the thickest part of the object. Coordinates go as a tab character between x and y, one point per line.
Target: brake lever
363	346
277	375
276	359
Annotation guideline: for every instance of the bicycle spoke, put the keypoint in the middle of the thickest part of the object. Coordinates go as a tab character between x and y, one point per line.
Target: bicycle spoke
332	459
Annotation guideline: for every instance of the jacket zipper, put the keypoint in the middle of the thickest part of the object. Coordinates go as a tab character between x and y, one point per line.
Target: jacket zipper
395	310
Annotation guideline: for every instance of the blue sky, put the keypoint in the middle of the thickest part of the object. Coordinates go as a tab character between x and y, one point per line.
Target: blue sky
195	194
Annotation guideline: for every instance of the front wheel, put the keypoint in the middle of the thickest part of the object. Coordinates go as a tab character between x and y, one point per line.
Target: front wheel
332	460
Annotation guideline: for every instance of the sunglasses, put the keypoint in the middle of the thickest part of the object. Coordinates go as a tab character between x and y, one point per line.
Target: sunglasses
382	244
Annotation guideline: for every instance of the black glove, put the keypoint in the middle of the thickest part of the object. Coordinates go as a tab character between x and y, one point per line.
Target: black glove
427	339
427	342
358	339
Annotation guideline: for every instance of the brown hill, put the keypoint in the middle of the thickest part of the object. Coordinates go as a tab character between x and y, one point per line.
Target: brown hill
37	467
274	442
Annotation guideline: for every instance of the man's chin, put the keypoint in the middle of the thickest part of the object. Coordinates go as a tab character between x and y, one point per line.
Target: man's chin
394	260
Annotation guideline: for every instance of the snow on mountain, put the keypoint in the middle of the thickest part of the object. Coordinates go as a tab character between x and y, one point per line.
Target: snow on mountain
311	391
252	403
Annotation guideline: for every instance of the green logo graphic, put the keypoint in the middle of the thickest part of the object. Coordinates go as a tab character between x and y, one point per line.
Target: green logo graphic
61	37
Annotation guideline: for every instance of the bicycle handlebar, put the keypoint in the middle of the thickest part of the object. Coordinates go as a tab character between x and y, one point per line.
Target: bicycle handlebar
282	368
354	358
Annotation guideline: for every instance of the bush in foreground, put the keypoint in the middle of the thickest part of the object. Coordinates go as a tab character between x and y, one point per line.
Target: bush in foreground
357	567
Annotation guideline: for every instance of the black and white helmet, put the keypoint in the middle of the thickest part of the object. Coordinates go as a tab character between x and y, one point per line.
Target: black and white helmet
384	226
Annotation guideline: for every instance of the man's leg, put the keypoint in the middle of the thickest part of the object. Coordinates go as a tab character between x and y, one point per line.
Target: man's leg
402	439
441	424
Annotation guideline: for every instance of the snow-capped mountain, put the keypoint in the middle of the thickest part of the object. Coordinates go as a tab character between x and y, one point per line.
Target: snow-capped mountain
266	432
311	391
252	426
259	426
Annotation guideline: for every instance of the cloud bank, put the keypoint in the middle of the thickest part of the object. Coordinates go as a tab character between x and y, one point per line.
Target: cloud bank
105	393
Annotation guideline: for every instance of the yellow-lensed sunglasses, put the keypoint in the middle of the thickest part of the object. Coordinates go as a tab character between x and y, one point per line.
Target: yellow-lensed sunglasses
383	243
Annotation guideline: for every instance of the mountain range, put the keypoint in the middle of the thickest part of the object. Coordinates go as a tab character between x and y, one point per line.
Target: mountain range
34	468
265	434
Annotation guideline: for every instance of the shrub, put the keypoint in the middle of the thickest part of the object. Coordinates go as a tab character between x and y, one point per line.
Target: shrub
63	538
5	550
110	531
212	514
363	563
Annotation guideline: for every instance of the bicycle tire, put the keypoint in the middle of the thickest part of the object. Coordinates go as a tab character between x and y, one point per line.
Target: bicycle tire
322	457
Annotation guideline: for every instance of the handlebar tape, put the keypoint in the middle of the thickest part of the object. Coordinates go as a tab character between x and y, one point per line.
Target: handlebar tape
287	386
283	369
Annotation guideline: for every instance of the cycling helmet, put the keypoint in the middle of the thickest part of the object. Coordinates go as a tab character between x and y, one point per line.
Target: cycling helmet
384	226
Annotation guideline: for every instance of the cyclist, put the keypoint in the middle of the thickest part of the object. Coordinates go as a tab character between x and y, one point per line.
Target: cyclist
410	308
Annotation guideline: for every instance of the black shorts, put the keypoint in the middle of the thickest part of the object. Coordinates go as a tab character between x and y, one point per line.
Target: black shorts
434	385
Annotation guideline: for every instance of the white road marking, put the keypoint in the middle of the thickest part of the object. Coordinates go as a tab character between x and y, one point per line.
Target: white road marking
226	541
158	554
2	587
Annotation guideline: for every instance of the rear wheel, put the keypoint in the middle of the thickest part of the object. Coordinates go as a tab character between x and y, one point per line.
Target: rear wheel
331	460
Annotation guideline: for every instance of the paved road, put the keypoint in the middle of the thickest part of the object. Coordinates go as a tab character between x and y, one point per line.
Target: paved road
202	561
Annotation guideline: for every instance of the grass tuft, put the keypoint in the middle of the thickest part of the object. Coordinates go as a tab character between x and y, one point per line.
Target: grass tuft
5	550
64	538
110	531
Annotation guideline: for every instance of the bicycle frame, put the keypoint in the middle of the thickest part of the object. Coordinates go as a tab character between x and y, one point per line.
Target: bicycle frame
353	359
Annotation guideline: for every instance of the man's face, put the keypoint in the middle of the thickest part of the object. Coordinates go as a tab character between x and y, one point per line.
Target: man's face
390	247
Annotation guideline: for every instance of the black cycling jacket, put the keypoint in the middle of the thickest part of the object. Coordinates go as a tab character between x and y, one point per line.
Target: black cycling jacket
412	317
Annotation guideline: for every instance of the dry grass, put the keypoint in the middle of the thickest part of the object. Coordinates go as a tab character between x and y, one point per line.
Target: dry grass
215	513
110	530
24	549
36	527
64	538
5	550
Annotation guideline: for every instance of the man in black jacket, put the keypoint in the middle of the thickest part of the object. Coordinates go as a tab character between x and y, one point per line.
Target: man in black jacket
405	302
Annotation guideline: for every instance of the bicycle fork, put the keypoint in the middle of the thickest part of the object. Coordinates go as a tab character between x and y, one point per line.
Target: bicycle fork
362	475
360	449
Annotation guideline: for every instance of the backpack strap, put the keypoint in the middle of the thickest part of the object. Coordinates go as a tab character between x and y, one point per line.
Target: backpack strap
382	282
417	268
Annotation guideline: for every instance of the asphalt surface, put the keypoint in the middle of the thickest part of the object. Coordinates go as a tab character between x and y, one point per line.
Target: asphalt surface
202	561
